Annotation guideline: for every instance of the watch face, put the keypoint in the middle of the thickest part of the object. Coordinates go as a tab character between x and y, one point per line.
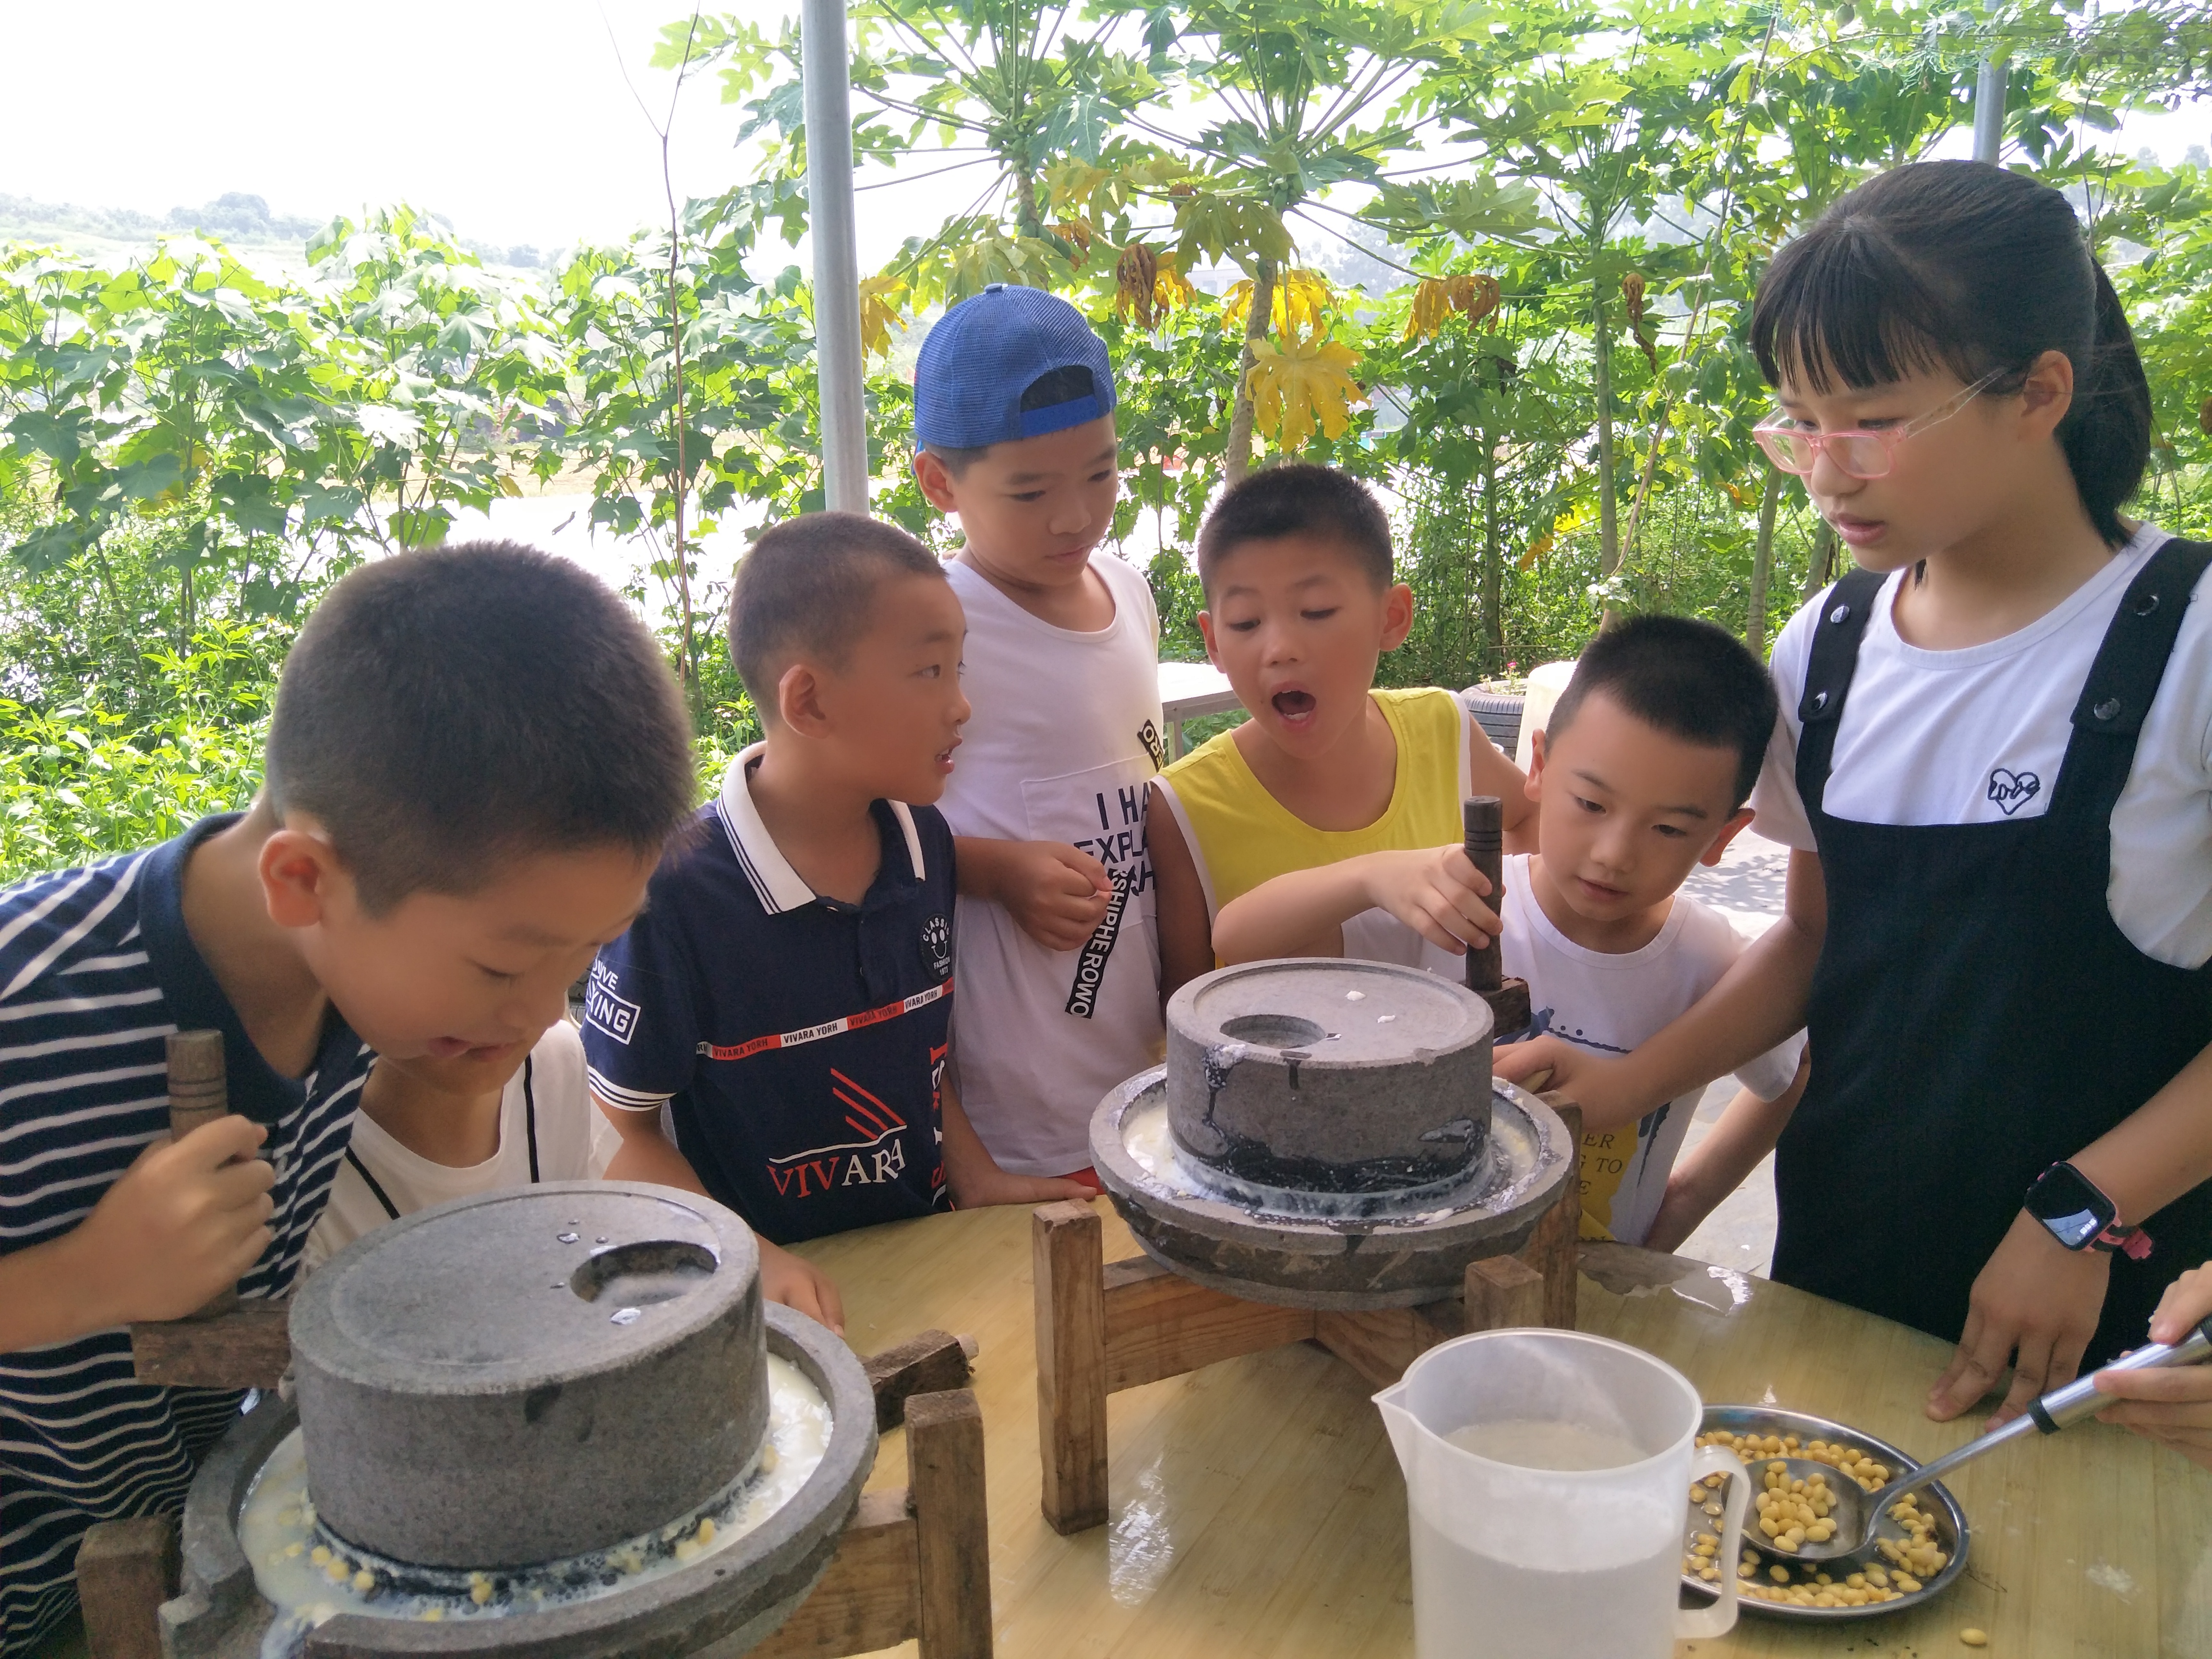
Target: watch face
2075	1230
2075	1211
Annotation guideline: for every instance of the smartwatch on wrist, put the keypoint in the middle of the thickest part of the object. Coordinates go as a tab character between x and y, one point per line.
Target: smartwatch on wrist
2080	1217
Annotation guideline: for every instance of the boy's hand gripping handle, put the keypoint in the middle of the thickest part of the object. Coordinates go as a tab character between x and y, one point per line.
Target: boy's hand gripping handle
1483	818
199	1093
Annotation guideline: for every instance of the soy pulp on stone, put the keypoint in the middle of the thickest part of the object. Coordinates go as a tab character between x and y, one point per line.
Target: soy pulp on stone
1532	1443
276	1531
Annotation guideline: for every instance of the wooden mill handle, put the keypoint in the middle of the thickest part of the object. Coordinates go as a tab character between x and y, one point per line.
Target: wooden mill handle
1484	818
199	1092
199	1089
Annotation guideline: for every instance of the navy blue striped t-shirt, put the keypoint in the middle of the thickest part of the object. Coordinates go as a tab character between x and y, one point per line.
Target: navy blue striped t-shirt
96	970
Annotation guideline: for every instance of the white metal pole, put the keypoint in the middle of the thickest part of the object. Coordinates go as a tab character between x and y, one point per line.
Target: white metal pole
1989	110
836	255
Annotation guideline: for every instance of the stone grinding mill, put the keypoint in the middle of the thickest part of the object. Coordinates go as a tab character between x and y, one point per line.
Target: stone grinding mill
558	1420
1325	1156
553	1420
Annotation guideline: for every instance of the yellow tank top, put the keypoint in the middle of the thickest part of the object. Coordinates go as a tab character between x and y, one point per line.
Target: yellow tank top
1241	836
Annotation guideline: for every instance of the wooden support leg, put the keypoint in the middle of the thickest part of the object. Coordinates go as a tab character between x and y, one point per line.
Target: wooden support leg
945	1464
1068	1257
912	1564
1504	1291
125	1570
1551	1251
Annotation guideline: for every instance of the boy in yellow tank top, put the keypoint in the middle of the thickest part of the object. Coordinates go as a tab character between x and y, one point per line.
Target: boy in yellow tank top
1301	604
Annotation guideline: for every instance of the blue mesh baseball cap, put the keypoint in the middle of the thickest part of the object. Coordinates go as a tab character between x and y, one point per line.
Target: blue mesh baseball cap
988	351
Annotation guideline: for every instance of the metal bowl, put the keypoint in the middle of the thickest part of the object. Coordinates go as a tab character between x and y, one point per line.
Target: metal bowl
1951	1531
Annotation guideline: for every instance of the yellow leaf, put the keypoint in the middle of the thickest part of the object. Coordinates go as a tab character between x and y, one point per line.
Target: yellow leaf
1432	305
1235	304
1171	290
878	313
1301	297
1297	383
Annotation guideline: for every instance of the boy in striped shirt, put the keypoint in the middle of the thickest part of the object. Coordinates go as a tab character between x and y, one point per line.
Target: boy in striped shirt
475	758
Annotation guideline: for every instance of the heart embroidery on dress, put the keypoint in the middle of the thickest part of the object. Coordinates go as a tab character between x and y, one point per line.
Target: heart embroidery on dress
2013	790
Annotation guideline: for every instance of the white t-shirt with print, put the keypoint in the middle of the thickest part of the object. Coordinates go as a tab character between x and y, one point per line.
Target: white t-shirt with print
1065	734
575	1143
1611	1003
1976	736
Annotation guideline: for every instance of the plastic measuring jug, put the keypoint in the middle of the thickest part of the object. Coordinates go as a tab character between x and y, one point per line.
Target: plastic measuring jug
1580	1554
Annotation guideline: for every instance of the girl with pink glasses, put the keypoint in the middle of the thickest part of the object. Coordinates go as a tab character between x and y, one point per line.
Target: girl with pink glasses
1994	770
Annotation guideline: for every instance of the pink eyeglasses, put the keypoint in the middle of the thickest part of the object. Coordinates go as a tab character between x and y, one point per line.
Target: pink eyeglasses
1860	453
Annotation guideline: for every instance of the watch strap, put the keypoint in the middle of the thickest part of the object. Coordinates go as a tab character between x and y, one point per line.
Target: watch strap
2132	1242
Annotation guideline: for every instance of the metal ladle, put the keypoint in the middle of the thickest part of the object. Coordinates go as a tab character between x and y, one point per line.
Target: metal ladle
1857	1511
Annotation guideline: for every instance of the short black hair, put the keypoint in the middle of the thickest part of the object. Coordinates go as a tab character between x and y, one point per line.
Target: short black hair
1691	679
445	711
1050	390
1975	268
809	585
1298	498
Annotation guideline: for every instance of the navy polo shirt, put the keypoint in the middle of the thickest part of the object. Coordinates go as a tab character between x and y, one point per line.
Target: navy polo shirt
799	1042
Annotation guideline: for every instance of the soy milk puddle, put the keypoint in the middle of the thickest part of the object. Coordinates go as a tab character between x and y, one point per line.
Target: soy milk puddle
308	1580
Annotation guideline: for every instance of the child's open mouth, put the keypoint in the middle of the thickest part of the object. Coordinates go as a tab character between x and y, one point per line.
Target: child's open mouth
1295	707
944	757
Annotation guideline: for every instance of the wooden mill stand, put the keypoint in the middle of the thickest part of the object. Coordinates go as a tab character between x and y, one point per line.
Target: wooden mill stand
1105	1325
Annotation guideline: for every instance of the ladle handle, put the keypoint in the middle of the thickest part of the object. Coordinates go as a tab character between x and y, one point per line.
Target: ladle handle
1484	819
2082	1398
2053	1412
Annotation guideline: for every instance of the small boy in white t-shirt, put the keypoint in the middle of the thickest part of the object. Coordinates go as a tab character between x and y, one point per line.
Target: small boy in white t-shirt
1641	775
449	1127
1059	969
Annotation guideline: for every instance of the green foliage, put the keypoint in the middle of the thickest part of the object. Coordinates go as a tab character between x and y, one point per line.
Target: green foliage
83	780
1556	398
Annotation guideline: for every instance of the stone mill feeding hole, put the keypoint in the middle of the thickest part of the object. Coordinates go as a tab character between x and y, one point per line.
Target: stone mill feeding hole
638	1275
1273	1031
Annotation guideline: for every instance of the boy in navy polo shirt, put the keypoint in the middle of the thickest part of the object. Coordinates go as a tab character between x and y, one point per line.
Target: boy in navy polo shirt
788	995
475	758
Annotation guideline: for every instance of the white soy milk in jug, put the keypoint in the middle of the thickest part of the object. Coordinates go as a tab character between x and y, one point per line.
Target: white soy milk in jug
1553	1528
1467	1606
1535	1444
1478	1606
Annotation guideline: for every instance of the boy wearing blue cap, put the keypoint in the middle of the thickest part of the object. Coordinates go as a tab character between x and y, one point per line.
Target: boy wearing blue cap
1060	994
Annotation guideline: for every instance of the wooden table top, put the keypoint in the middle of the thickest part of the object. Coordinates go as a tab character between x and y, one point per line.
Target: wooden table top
1257	1507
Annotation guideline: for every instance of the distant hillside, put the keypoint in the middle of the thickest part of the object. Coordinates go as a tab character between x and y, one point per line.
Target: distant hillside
234	217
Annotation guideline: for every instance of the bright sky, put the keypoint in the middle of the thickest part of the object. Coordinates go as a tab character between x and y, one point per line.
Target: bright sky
511	117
